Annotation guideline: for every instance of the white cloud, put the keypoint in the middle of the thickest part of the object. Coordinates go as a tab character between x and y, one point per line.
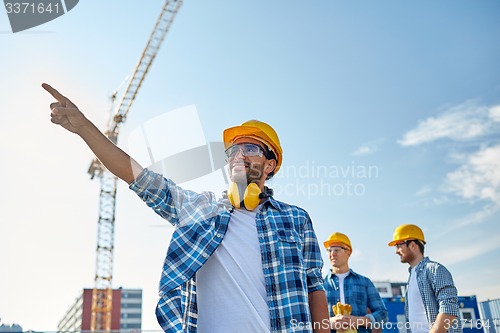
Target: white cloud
478	177
478	174
460	253
477	217
364	150
424	191
495	113
462	122
369	148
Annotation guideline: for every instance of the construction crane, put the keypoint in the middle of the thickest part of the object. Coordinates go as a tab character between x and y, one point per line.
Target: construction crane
102	294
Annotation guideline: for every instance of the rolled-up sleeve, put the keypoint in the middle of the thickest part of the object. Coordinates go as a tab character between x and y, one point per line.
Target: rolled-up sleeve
312	258
446	292
376	305
173	203
159	193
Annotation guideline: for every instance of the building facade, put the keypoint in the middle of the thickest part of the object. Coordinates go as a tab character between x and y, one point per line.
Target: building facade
126	311
393	293
490	314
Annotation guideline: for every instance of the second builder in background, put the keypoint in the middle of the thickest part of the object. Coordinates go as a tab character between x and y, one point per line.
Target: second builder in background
344	285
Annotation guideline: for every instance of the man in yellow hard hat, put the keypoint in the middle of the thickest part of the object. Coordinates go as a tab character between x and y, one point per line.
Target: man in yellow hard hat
243	263
431	300
344	285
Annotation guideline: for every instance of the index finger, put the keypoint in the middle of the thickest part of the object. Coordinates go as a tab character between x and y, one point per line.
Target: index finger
56	94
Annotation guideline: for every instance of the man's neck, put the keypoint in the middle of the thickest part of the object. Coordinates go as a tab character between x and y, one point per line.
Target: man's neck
418	258
340	270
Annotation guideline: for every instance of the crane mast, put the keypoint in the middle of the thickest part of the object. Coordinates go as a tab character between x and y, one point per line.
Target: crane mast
102	294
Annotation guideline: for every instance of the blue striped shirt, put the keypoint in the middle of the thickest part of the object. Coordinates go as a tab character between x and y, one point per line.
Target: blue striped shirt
360	293
291	257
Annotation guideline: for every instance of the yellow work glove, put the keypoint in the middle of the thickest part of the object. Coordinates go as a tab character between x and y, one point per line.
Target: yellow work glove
343	309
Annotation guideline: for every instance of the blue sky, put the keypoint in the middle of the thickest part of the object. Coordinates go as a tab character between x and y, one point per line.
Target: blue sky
409	91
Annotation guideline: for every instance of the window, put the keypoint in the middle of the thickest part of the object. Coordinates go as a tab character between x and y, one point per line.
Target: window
468	317
131	315
131	305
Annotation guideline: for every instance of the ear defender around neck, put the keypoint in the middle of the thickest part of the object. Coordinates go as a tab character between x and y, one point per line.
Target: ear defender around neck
251	195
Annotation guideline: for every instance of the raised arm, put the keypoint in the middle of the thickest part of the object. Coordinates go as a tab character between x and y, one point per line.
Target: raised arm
67	115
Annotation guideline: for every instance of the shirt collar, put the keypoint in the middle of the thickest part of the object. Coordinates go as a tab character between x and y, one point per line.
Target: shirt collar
420	265
351	272
273	202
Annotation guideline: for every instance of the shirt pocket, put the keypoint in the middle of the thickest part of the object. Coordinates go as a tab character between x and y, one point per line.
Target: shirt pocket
290	248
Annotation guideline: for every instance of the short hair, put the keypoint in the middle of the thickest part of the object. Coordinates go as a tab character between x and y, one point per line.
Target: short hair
419	243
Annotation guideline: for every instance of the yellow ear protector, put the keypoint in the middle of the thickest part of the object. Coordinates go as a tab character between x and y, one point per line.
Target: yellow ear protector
251	195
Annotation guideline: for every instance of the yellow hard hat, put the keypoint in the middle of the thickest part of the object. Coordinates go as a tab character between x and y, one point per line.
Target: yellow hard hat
338	237
405	232
258	130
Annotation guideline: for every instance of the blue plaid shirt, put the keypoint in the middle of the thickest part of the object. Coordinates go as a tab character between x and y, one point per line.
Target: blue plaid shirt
438	292
360	293
291	257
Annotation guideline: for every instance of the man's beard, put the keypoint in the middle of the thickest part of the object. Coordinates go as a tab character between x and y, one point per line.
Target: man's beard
252	174
407	258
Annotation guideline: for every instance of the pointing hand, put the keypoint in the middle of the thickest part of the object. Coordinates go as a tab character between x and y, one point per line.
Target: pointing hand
64	112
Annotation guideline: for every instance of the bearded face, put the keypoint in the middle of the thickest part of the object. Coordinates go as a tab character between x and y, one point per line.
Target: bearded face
246	172
249	166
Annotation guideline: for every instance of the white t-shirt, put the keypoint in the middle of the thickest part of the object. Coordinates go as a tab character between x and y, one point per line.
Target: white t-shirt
341	286
416	309
230	286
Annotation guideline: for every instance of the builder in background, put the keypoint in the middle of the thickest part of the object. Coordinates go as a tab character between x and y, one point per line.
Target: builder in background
431	301
348	287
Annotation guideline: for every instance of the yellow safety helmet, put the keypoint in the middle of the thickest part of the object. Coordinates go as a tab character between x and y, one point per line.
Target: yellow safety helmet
337	237
258	130
405	232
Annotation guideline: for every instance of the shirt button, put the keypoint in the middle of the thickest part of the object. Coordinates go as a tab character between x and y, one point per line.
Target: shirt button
291	237
219	235
204	255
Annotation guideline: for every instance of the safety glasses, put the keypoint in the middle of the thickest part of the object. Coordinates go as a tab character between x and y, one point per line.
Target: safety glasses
406	242
336	249
246	149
